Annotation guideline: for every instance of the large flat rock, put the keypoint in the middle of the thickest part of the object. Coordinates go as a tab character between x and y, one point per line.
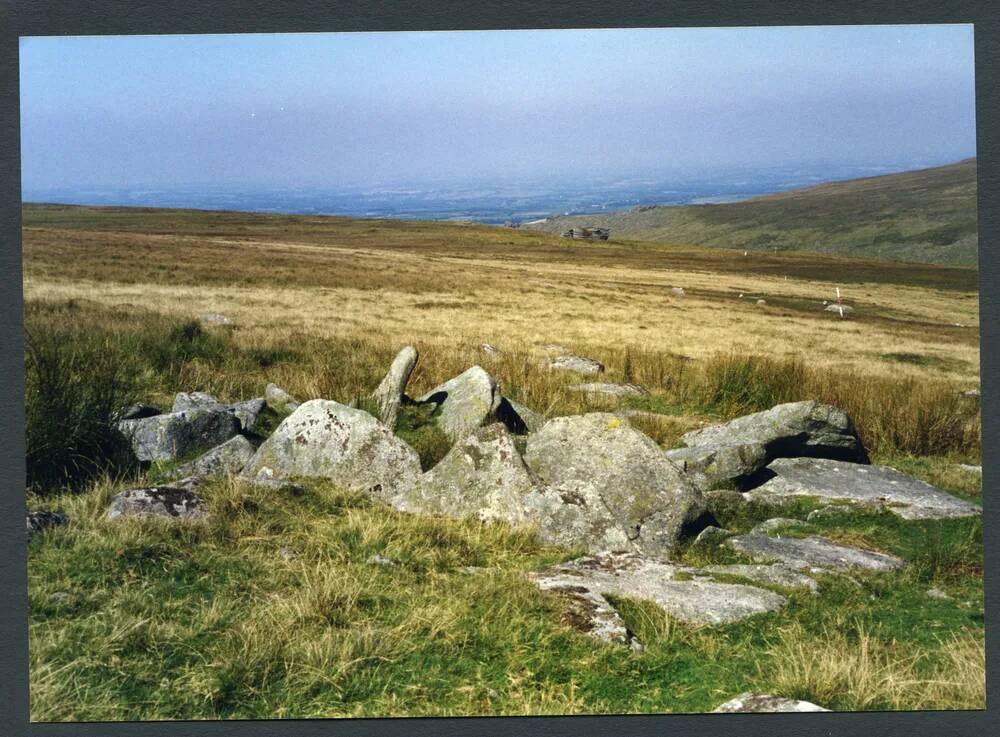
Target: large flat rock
867	485
775	574
593	577
811	553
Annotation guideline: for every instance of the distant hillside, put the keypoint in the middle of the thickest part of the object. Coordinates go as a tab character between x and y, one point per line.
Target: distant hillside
927	215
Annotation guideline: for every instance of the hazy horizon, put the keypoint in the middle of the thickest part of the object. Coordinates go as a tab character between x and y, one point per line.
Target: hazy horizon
378	109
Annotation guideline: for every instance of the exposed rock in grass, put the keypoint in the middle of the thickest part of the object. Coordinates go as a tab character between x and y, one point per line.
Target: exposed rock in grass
936	593
43	520
834	307
555	348
380	560
677	290
214	318
279	400
713	464
878	486
751	702
326	439
970	468
177	434
606	464
789	430
579	364
775	574
590	578
812	553
222	460
467	401
971	393
389	394
614	390
166	502
490	350
762	301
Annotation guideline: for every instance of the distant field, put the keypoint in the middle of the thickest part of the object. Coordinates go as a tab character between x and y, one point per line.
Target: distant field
927	215
449	283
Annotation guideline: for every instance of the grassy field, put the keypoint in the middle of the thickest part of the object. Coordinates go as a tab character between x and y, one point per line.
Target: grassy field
927	215
271	609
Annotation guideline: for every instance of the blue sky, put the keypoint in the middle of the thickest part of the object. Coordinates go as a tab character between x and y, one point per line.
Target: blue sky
379	108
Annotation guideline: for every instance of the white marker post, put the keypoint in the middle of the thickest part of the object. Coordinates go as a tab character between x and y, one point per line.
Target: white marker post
840	306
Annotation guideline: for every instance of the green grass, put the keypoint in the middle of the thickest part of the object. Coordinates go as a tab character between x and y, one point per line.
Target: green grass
212	620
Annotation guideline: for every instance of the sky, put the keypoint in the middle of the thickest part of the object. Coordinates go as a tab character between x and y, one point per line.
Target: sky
299	110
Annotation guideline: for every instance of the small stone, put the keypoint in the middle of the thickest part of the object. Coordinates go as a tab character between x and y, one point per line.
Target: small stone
777	524
762	301
162	502
936	593
839	309
380	560
214	318
490	350
750	702
579	364
970	468
44	520
677	290
58	596
139	411
614	390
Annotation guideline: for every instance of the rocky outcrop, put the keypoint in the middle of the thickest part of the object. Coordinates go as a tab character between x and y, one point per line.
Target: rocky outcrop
177	434
586	581
812	553
279	400
246	412
222	460
789	430
869	486
579	364
714	464
636	499
465	402
482	476
326	439
389	394
160	502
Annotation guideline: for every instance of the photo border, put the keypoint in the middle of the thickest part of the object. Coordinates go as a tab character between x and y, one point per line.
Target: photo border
113	17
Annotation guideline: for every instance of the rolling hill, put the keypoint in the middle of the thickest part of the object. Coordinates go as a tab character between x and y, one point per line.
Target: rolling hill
925	215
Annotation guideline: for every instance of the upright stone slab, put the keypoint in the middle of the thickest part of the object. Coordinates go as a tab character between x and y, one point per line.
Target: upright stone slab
466	402
389	394
326	439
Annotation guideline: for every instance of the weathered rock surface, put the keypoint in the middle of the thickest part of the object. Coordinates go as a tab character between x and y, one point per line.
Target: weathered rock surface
677	290
881	486
466	402
45	519
969	468
710	465
751	702
326	439
627	574
619	476
483	476
614	390
222	460
834	307
789	430
712	535
777	525
169	436
195	400
164	502
812	553
389	394
279	400
775	574
579	364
